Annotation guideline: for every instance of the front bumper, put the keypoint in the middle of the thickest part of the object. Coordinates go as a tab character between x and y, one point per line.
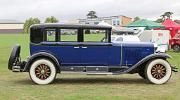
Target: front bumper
174	68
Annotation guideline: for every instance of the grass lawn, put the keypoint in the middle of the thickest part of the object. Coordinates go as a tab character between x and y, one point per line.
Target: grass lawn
18	86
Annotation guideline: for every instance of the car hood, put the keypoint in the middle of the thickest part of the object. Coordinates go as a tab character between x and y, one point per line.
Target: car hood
135	44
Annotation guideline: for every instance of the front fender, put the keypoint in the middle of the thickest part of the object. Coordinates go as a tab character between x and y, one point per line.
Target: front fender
38	55
146	59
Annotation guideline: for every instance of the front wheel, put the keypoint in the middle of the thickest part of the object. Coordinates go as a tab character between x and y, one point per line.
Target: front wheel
42	71
158	71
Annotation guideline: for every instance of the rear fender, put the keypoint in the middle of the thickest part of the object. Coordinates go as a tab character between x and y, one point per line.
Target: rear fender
41	55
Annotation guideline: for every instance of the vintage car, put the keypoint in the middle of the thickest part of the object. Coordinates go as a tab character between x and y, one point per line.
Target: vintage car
87	53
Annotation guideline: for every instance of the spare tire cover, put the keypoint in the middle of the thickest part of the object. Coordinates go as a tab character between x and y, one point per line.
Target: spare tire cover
14	54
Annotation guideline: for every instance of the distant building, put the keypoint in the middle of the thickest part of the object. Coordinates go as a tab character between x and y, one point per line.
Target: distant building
93	21
112	20
71	21
11	26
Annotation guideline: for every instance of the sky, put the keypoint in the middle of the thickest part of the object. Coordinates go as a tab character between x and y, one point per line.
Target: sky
75	9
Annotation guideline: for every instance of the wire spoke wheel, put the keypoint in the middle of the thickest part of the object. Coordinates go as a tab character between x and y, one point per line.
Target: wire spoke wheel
158	71
42	71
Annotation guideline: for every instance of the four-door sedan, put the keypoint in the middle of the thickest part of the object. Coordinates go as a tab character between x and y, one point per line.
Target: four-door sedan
52	52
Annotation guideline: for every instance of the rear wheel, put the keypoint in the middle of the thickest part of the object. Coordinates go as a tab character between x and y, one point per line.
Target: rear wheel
158	71
42	71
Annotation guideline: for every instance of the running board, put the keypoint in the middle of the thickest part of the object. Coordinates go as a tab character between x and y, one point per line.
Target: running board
88	73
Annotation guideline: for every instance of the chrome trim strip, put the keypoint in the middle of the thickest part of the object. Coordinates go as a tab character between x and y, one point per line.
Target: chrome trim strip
121	56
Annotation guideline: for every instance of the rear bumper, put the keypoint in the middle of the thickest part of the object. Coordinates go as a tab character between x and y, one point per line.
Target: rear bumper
18	67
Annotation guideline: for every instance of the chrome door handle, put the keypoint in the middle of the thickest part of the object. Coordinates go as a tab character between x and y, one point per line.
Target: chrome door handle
76	47
84	47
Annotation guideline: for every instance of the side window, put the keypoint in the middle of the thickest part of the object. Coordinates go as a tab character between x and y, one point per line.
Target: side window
119	39
50	35
68	35
95	35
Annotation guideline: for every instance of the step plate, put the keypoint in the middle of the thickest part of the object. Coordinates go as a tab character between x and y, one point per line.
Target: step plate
88	73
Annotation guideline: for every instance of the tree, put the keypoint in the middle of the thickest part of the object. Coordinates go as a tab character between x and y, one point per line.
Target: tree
137	18
51	19
29	22
159	20
165	16
91	15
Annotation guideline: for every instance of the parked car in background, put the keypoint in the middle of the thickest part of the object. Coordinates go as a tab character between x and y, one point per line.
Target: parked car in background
124	38
87	54
159	37
176	42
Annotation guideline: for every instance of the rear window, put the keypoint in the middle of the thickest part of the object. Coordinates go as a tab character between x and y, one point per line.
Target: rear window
36	35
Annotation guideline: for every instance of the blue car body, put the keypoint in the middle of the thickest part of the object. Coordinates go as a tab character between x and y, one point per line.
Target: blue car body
95	54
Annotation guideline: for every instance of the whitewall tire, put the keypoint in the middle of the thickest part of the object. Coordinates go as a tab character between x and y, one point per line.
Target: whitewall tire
42	71
158	71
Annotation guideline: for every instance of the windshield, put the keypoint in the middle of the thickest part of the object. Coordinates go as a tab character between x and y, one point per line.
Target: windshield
112	38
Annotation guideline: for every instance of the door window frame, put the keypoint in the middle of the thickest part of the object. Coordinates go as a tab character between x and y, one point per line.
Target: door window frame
80	34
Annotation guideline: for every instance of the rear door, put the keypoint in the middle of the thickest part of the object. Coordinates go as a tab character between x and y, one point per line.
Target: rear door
94	54
63	44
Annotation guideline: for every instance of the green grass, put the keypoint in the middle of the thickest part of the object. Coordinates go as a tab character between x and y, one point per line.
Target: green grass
18	86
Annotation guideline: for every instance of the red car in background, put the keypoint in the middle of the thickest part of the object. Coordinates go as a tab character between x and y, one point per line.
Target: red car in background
176	42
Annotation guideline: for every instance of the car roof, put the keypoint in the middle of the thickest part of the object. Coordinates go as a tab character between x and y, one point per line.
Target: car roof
76	26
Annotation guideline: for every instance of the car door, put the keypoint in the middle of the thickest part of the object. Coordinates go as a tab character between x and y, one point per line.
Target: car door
94	54
69	54
69	48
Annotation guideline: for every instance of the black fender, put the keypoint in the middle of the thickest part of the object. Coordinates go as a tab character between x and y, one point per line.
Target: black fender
144	60
39	55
